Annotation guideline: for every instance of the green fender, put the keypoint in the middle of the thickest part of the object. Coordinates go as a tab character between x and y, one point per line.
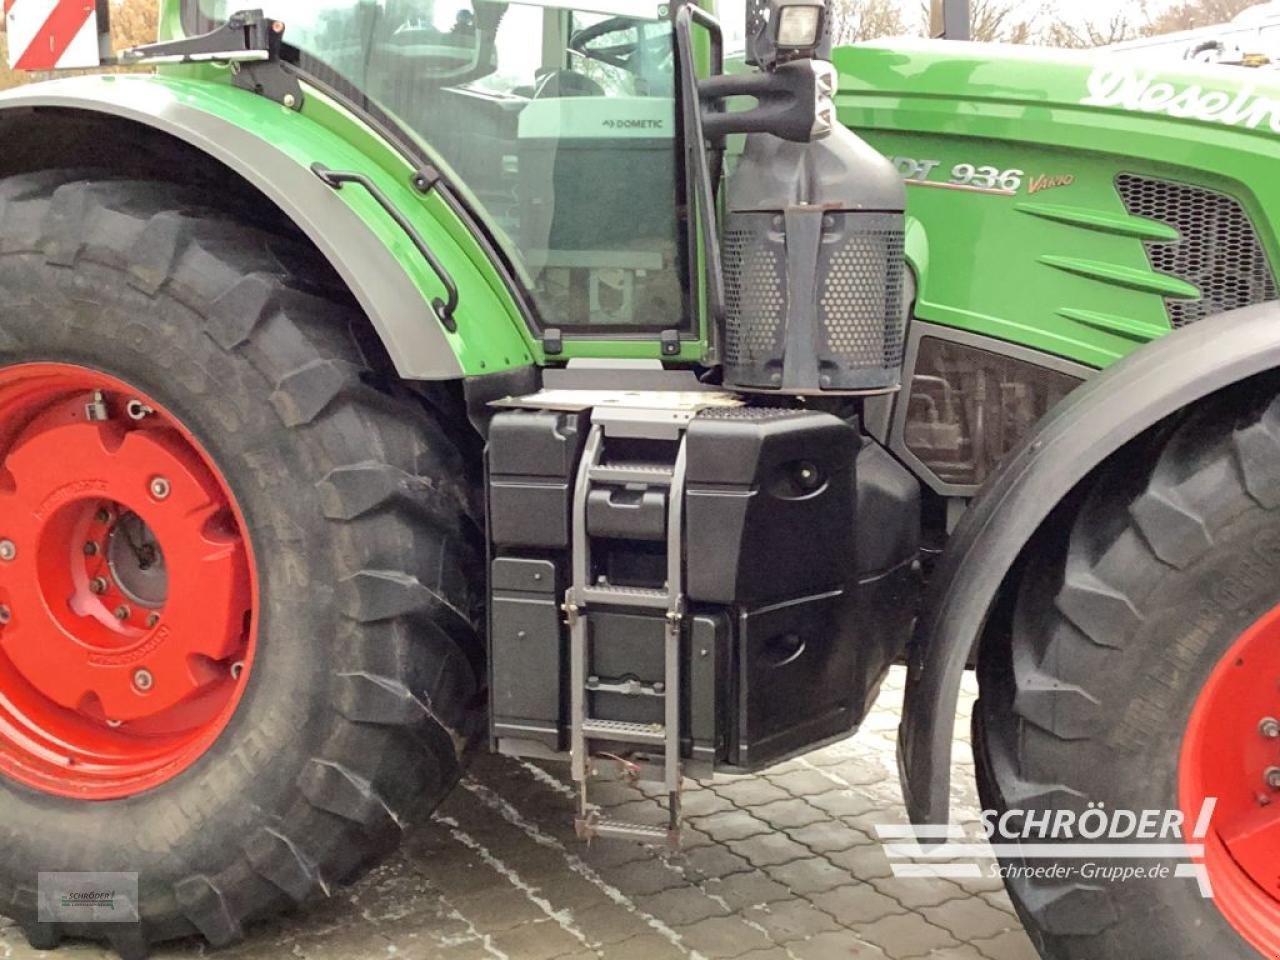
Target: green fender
273	148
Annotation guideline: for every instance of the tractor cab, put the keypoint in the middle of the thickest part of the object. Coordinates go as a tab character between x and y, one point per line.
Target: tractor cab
557	120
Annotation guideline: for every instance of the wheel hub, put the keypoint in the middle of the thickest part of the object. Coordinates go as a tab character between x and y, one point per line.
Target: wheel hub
129	587
1231	757
135	561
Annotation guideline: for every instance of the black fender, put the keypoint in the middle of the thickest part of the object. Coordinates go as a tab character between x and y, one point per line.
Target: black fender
1072	440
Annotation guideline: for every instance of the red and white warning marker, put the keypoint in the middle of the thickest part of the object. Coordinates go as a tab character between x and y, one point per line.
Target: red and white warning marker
52	34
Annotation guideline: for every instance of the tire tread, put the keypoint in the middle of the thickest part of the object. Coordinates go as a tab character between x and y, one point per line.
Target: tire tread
272	301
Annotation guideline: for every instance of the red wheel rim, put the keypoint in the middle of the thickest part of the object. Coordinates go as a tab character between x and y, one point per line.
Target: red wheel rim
127	587
1231	755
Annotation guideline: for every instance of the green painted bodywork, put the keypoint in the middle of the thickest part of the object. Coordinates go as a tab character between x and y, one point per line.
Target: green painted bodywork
491	335
1063	269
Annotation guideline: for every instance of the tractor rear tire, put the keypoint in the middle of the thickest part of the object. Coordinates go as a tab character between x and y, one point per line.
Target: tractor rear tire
352	504
1140	602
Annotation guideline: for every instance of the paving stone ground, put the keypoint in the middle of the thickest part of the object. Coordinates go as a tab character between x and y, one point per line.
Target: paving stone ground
783	866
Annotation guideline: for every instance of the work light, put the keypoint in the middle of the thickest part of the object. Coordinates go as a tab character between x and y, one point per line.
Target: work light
796	25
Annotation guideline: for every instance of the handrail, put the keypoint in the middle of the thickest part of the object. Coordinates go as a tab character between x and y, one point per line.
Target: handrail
444	309
696	148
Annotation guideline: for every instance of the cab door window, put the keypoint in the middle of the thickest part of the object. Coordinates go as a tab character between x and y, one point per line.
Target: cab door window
558	122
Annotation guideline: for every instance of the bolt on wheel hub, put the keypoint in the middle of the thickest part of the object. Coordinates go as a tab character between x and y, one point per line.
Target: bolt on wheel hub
129	585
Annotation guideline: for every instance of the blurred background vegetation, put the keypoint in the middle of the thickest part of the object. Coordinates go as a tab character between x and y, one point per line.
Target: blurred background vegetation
1010	21
1054	23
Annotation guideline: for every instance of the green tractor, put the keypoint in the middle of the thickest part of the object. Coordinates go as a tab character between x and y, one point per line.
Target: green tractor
383	379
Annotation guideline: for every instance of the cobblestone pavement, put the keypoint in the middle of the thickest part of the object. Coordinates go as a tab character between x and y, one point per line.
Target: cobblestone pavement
783	865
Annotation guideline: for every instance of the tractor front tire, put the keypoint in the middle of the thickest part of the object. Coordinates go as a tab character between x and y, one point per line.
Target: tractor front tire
249	560
1140	671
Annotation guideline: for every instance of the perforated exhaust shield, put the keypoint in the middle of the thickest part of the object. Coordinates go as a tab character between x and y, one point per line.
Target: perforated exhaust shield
814	267
860	315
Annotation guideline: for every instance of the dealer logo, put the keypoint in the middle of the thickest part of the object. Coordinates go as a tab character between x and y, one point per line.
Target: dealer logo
1094	844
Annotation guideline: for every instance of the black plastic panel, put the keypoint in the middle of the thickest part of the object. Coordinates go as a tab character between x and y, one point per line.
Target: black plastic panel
887	529
532	459
629	646
769	505
527	652
627	513
799	549
796	674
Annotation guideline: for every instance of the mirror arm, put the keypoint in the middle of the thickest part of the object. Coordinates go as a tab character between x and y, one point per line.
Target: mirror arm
786	99
250	41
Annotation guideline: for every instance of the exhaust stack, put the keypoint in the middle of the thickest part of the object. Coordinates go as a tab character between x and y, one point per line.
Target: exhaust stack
813	241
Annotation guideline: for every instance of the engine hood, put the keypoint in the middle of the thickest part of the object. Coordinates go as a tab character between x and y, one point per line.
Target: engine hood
1037	82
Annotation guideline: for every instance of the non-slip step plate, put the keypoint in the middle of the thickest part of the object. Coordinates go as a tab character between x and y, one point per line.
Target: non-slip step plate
623	732
627	597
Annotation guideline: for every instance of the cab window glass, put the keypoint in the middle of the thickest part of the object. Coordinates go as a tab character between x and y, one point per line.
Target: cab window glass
559	123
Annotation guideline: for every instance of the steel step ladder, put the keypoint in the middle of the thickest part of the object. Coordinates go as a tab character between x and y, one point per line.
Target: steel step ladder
586	595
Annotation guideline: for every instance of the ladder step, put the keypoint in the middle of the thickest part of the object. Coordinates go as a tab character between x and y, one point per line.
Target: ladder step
627	688
654	473
656	741
620	830
624	732
627	596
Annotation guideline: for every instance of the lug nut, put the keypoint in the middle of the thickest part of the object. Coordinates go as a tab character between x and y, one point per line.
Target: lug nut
137	410
237	669
1270	728
5	615
103	515
152	619
1272	776
122	612
98	585
90	549
143	680
160	488
8	550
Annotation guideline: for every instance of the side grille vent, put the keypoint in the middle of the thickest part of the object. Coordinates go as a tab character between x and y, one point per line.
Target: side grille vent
1218	249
